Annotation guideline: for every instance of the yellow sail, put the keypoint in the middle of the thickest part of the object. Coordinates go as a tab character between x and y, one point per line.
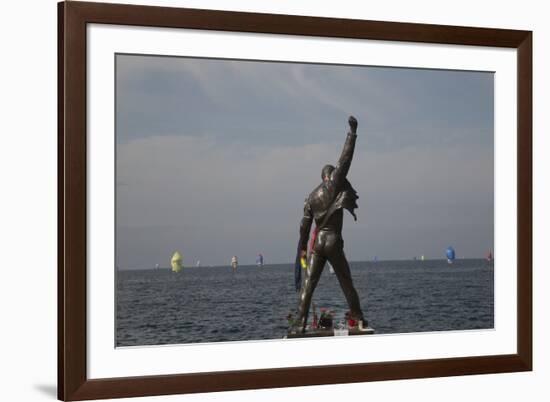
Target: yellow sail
177	262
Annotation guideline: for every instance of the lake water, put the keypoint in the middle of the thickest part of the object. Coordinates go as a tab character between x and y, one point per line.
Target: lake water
211	304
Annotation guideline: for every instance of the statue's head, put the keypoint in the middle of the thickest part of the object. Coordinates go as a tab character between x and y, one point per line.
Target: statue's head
325	173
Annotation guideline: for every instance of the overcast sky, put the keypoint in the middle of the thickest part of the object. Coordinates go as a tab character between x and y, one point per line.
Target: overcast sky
216	157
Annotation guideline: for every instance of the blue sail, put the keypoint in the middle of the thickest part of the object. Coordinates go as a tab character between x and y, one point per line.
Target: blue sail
450	253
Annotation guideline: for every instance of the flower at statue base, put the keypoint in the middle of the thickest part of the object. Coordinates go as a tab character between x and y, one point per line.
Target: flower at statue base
326	319
350	320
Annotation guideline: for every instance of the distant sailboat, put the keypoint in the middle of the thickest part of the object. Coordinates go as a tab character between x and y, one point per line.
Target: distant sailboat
198	263
260	260
489	257
450	253
157	266
177	262
422	258
234	263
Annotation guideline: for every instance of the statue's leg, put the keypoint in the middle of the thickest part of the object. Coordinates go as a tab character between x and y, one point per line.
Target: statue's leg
341	268
310	282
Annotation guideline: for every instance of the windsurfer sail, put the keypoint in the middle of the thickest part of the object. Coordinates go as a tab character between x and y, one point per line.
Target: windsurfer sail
450	253
177	262
260	260
234	262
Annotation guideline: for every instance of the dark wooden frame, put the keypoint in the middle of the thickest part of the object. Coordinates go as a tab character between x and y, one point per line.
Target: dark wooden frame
73	383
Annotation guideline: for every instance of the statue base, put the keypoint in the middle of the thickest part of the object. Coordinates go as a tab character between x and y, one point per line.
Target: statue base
316	333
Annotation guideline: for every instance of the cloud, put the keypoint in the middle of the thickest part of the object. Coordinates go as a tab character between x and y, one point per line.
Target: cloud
215	157
214	201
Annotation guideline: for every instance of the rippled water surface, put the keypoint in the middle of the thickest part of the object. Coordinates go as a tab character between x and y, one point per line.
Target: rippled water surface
211	304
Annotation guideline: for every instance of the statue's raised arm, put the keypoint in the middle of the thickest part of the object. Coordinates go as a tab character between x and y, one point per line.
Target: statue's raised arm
344	163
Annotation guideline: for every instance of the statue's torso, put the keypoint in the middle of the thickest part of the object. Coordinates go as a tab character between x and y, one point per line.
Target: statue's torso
320	200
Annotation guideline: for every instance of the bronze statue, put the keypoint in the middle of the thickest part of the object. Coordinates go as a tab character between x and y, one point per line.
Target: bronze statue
325	205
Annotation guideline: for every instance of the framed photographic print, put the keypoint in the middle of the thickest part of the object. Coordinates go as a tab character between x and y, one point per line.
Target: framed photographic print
212	163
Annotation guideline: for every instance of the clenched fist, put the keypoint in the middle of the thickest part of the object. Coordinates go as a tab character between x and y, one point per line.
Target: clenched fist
352	124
